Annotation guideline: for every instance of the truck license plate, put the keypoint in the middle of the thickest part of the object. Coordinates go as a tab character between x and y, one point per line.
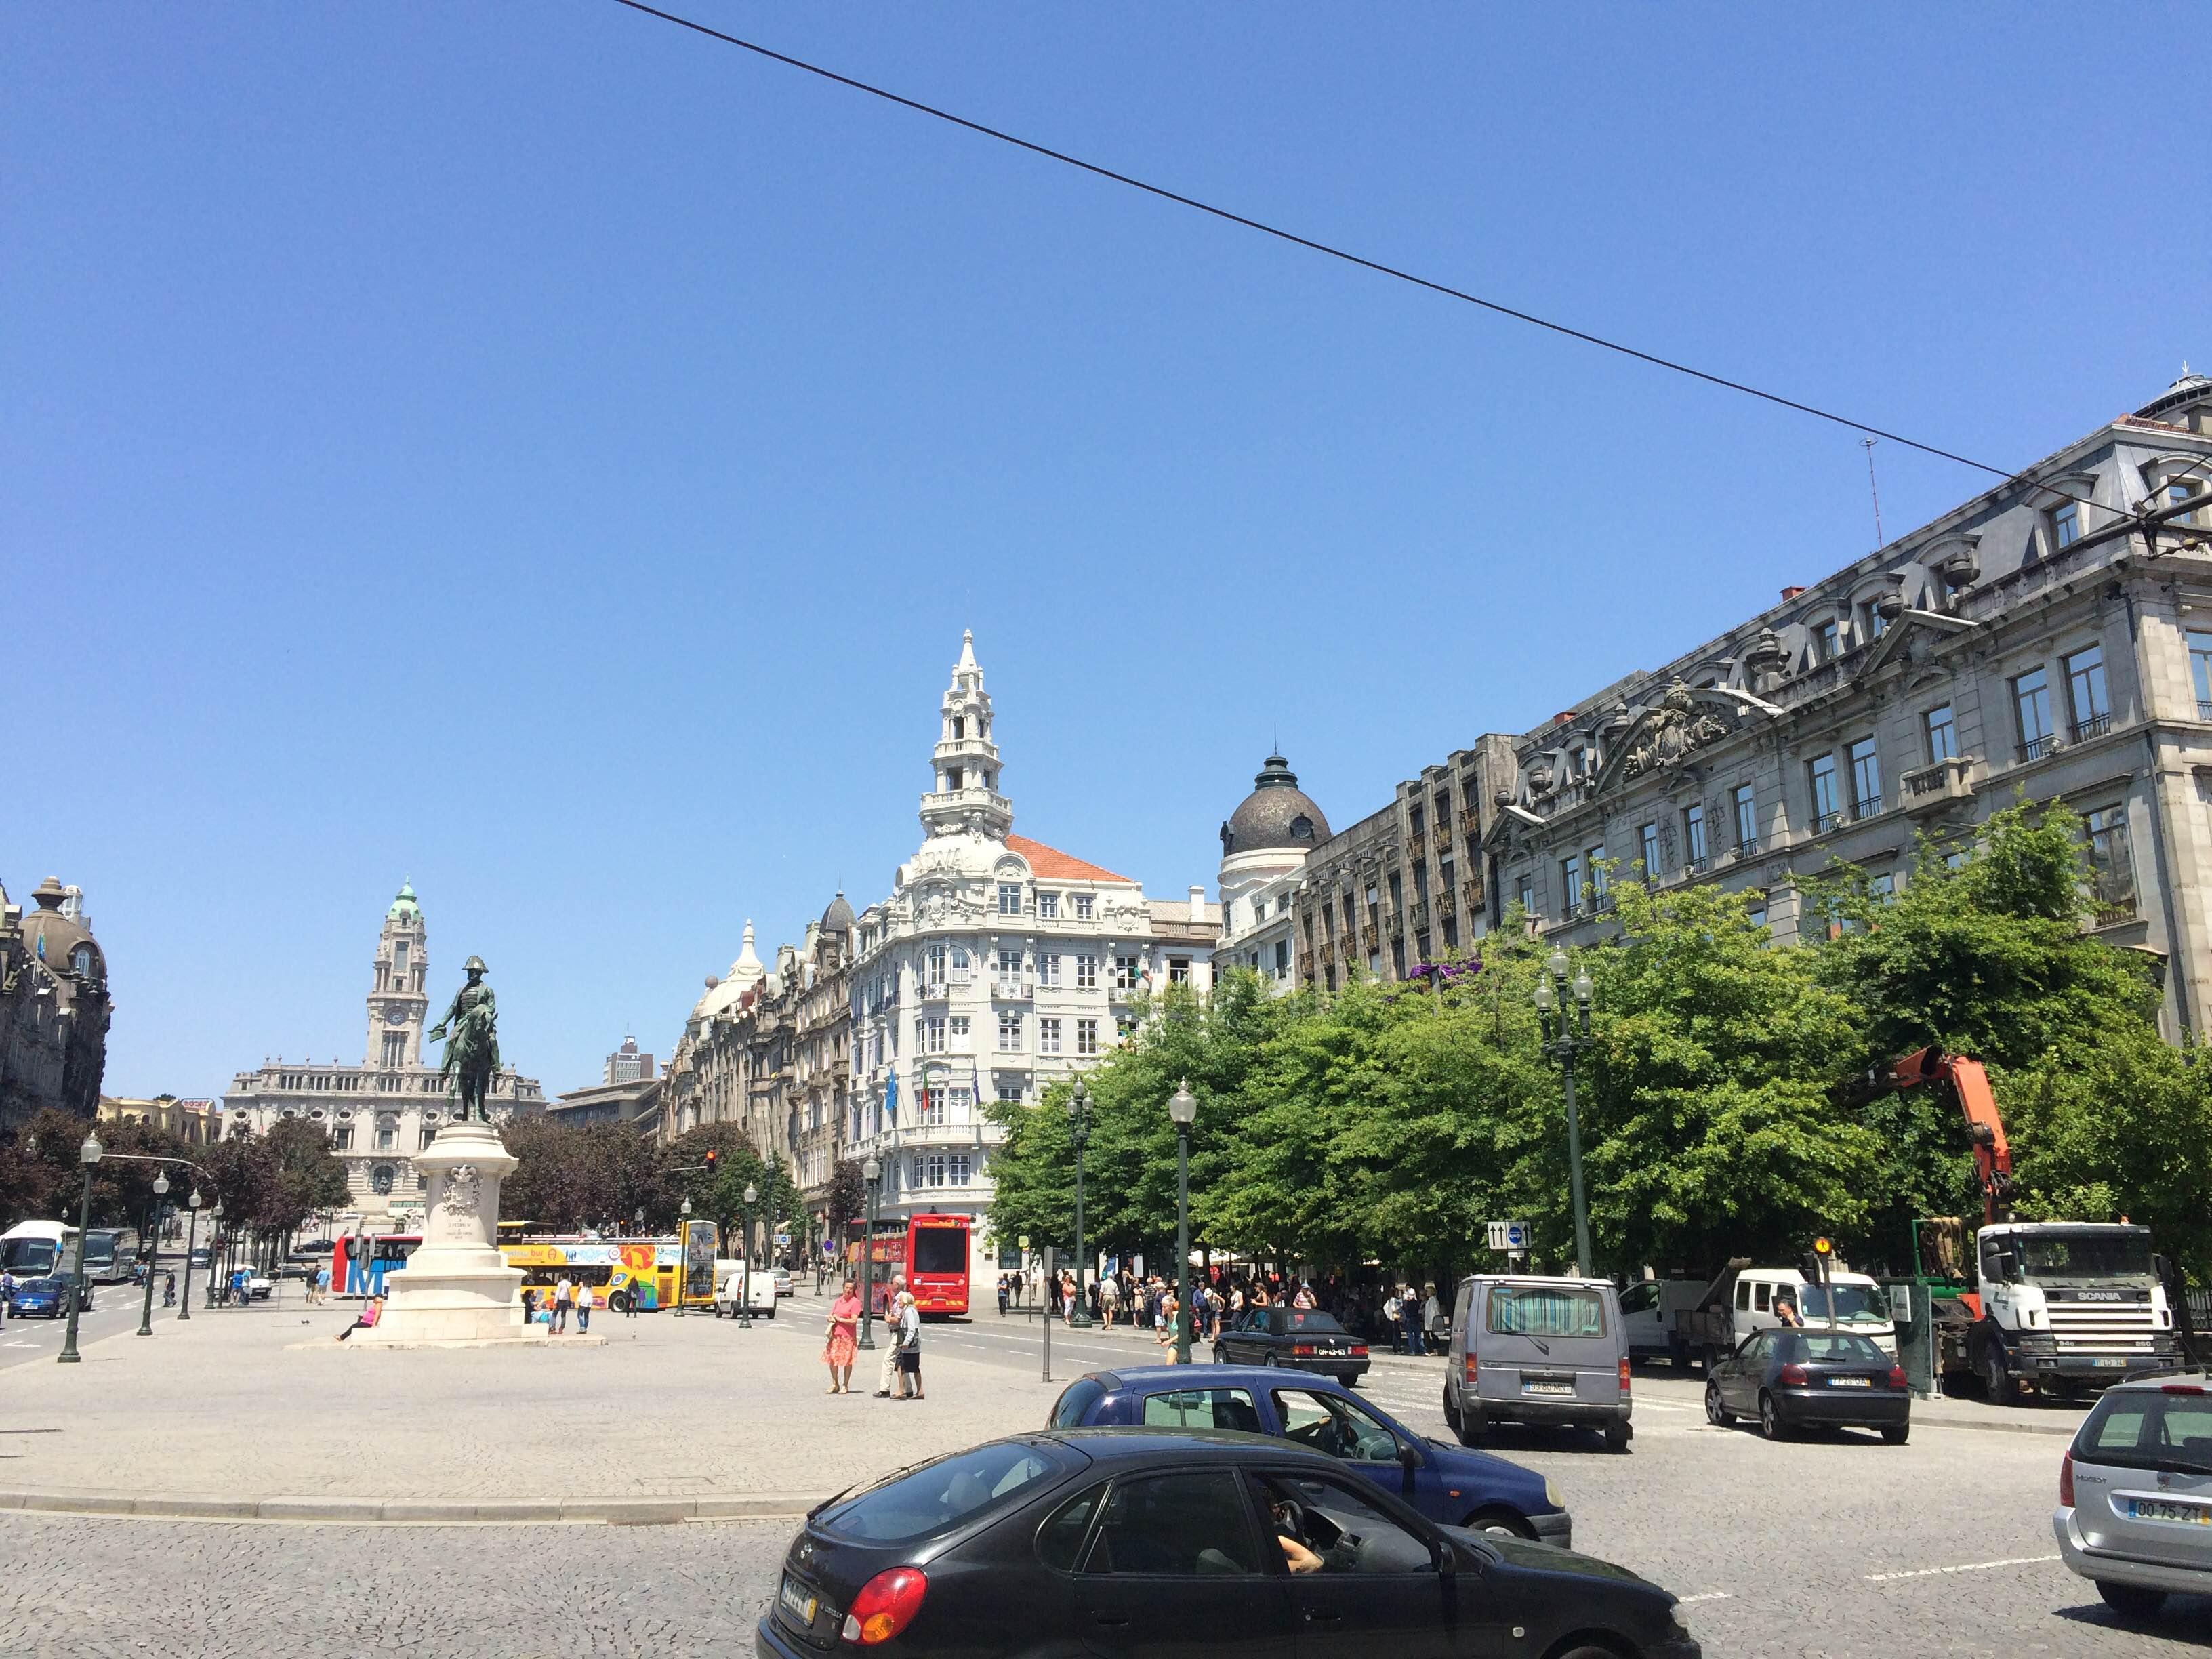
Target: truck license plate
1541	1385
797	1603
2155	1509
2114	1364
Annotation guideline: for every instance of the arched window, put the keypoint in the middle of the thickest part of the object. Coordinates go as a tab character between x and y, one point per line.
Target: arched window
83	960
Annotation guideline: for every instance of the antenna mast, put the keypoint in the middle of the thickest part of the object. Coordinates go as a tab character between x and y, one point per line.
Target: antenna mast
1874	490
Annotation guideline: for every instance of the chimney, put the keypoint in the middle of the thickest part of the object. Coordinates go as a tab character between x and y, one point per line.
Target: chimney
1197	903
1790	593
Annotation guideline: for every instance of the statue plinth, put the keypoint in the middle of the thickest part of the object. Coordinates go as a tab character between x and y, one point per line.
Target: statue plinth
456	1288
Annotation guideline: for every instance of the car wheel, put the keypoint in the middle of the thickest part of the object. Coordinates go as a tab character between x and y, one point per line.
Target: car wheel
1451	1412
1616	1436
1898	1435
1468	1429
1715	1413
1996	1376
2130	1601
1770	1420
1499	1525
1268	1359
1219	1357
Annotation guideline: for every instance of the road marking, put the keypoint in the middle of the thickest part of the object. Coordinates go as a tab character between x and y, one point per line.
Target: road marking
1710	1595
1971	1566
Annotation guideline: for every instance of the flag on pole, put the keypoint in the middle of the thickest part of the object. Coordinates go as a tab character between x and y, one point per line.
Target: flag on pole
891	1098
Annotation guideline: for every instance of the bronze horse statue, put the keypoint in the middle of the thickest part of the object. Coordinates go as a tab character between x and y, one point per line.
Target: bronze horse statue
472	1049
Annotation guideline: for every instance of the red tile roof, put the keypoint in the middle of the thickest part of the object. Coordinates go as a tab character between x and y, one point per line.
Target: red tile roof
1056	866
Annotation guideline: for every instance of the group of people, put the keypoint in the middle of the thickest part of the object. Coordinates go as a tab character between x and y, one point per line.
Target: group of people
1408	1318
900	1376
568	1296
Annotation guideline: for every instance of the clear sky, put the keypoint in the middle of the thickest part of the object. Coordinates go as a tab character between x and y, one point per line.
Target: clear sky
549	456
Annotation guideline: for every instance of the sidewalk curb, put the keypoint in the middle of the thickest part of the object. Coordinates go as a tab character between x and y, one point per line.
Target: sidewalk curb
413	1511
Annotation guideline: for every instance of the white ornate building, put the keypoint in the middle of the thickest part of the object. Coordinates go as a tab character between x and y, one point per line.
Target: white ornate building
378	1113
1264	845
997	965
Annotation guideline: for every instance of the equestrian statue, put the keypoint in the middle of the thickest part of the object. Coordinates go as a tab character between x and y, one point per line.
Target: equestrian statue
472	1050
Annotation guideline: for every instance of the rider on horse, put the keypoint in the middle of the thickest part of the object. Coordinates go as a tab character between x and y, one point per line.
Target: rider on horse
472	1051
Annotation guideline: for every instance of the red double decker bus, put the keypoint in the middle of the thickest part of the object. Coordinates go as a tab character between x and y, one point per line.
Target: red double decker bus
931	1251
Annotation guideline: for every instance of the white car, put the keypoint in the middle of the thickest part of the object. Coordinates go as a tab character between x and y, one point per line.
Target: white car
783	1281
760	1294
258	1286
2134	1493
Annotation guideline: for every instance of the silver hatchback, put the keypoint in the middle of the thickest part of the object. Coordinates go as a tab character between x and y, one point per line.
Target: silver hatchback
2134	1493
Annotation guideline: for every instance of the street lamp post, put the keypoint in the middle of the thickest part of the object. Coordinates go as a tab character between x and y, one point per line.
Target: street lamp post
153	1253
1078	1118
871	1171
683	1258
88	1155
191	1236
215	1249
746	1277
1567	1036
1183	1107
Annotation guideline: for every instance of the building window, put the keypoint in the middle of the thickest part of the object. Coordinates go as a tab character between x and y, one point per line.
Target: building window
387	1134
929	1107
1943	735
1048	905
1647	850
1125	973
930	1033
962	1041
960	964
1179	970
1082	907
1821	773
1418	819
2112	865
1048	1036
399	954
2085	689
1086	1037
1010	1034
933	971
2200	670
2066	524
1010	973
1010	899
1827	642
1599	878
1693	838
1282	959
1876	624
1529	896
1086	970
955	1170
1048	969
342	1138
1866	778
1745	801
1754	909
429	1134
1010	1094
1882	889
1397	895
2031	704
1570	879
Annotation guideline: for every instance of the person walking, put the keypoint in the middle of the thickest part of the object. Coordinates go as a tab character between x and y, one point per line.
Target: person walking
1003	1293
1110	1297
842	1338
564	1298
322	1284
887	1373
1166	1334
1409	1312
909	1348
7	1296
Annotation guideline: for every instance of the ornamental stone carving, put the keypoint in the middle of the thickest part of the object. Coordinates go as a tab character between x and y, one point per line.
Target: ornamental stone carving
1671	731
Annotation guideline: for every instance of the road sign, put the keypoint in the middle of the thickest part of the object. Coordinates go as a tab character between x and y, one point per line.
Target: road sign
1509	1236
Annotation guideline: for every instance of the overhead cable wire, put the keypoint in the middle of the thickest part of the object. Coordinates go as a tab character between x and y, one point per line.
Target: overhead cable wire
1330	250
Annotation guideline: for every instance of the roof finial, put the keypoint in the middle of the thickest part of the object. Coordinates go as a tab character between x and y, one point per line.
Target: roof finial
967	650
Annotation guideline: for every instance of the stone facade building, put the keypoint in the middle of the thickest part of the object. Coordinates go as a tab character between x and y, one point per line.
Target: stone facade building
187	1120
2050	638
381	1112
54	1006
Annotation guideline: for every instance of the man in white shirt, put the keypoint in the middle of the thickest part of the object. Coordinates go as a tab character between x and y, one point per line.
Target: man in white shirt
887	1373
564	1298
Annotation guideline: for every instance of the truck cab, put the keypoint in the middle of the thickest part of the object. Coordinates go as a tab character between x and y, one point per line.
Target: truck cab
2067	1302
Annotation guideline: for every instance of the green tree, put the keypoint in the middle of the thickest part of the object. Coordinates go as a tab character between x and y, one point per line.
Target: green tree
569	1177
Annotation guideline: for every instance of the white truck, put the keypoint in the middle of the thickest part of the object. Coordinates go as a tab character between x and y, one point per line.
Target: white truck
1685	1320
759	1289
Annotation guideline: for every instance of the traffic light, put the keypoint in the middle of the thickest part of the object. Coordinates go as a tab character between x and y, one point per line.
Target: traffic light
712	1155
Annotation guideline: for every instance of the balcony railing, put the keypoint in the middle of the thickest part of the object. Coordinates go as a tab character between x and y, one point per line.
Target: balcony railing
1445	902
1927	787
2204	709
1470	820
2096	726
1869	806
1440	838
1824	822
1698	866
2039	748
1471	890
2111	913
1420	913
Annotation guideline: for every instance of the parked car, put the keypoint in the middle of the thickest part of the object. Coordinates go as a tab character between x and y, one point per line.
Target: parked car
1801	1379
1450	1484
258	1285
1125	1543
314	1247
783	1281
1537	1350
2135	1492
759	1293
48	1298
1303	1338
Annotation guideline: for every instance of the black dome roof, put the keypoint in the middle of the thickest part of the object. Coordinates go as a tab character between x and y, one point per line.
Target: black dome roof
839	917
1276	814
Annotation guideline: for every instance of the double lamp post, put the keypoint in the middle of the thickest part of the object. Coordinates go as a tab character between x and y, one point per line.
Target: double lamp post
1565	1037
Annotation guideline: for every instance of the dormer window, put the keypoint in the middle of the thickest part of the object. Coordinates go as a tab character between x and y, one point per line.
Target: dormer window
1828	641
2066	524
1301	828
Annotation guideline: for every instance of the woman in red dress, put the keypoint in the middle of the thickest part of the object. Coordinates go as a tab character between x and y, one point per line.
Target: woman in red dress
844	1334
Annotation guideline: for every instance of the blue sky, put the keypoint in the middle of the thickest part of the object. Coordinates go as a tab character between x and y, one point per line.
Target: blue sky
552	457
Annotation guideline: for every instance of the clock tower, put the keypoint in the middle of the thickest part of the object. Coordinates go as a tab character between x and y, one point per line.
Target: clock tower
400	999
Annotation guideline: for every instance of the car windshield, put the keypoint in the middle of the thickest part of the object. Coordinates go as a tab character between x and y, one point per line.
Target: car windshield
1309	1320
2085	1255
1547	1310
2149	1429
1822	1348
1851	1304
920	1501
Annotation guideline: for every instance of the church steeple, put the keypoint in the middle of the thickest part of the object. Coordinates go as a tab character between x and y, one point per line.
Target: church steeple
399	998
966	760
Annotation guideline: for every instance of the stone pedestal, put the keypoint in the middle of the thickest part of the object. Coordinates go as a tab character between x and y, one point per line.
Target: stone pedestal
456	1288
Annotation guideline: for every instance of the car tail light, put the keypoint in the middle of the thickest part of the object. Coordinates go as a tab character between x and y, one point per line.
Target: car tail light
1897	1376
1359	1350
1302	1351
2066	1480
2181	1387
1624	1373
1470	1368
885	1605
1793	1377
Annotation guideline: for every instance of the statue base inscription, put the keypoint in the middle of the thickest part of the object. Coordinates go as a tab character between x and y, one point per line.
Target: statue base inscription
456	1289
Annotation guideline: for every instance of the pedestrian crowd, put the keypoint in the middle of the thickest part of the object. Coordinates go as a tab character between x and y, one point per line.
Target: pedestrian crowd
1407	1319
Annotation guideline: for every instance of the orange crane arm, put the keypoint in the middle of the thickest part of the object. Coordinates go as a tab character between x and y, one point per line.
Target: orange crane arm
1969	1083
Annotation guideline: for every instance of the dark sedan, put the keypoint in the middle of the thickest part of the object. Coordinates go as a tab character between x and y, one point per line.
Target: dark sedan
1446	1483
1129	1544
48	1298
1304	1338
1802	1379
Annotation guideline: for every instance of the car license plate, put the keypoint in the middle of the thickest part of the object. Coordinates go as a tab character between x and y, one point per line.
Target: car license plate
1850	1382
2115	1364
797	1603
1540	1385
2157	1508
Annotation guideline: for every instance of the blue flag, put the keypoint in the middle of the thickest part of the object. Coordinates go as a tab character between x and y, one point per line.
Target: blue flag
891	1098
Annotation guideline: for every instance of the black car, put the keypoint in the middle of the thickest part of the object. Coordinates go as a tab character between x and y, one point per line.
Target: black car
1793	1379
1305	1339
1129	1543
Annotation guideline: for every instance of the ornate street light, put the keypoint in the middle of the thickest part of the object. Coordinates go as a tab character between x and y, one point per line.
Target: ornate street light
683	1257
153	1252
1564	1037
88	1155
872	1171
1183	1107
1078	1117
746	1277
192	1233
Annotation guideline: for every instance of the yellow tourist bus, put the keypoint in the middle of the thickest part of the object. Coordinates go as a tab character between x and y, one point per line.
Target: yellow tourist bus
614	1273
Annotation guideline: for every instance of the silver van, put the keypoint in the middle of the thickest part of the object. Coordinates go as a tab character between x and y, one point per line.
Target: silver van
1530	1349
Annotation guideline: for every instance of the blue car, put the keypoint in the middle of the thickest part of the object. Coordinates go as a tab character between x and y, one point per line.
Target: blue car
1450	1485
48	1298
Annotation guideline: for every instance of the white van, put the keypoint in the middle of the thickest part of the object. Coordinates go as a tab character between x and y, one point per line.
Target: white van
1648	1310
1849	1302
759	1294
